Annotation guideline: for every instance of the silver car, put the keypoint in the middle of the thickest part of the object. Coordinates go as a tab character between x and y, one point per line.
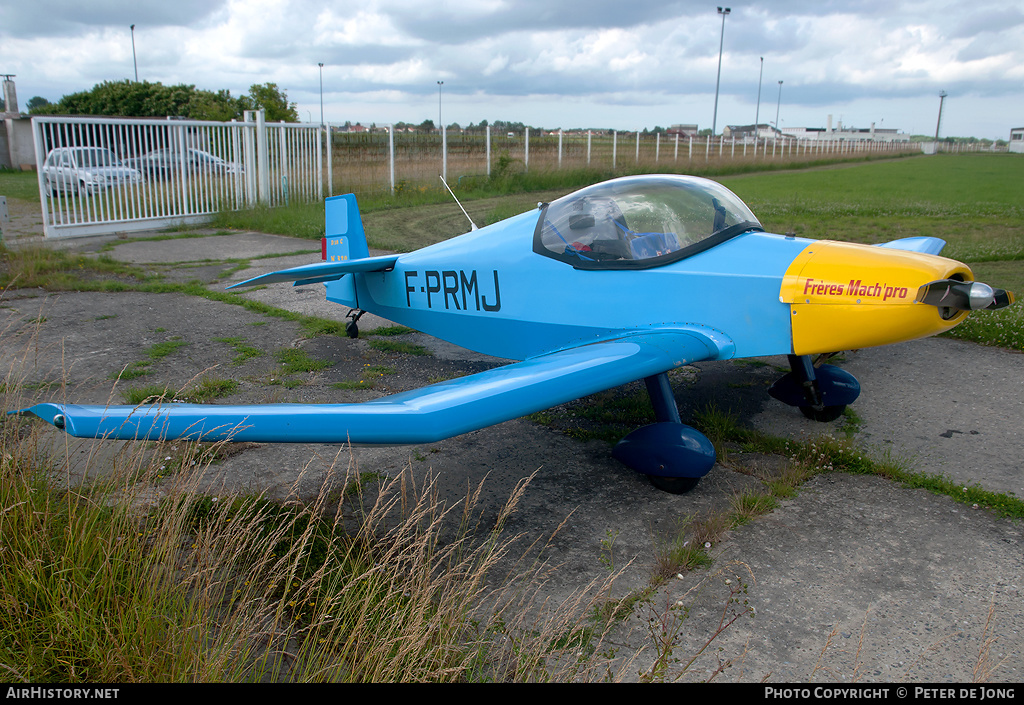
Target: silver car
85	170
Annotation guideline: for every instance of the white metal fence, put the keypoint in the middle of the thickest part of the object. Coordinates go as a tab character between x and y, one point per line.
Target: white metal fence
99	175
381	159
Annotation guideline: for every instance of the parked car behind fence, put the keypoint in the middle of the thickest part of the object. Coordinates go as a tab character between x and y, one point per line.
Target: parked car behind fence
165	163
85	170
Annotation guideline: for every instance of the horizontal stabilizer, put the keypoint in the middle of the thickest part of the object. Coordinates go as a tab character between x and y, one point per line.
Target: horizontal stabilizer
424	415
922	244
323	271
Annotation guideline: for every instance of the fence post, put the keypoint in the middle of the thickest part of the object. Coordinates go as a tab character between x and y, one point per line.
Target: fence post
615	147
526	157
444	153
182	148
488	150
589	134
391	155
262	158
559	147
330	161
638	146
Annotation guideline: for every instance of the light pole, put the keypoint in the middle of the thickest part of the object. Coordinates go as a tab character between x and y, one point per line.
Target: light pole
134	60
321	65
440	129
721	42
439	123
757	115
942	98
777	106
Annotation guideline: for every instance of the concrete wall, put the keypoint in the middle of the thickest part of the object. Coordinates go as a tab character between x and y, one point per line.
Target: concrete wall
5	152
19	151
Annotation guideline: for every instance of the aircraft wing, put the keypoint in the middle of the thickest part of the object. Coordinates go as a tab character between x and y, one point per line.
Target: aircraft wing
323	271
425	415
923	244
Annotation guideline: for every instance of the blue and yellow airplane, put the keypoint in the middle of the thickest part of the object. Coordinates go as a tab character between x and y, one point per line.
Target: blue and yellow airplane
621	281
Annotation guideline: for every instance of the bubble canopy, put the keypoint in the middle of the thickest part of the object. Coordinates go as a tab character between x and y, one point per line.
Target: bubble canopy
638	222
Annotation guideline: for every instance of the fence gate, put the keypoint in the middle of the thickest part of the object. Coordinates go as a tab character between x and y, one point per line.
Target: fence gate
102	175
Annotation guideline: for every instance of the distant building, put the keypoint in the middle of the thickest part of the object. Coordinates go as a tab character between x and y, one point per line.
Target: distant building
850	134
682	130
1017	140
748	133
763	131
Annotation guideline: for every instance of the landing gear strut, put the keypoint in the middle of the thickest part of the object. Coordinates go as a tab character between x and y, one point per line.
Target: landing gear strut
821	393
674	456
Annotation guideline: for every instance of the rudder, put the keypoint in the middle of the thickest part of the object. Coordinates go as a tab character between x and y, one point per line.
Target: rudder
344	237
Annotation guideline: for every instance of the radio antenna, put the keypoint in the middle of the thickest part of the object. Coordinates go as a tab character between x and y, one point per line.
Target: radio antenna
471	223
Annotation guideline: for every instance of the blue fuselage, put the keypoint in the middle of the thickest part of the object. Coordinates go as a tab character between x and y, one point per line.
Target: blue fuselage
490	291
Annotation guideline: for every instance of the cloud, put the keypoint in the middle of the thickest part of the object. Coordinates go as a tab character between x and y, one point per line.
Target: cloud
509	54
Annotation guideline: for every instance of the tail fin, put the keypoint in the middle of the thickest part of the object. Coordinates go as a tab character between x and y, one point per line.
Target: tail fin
344	238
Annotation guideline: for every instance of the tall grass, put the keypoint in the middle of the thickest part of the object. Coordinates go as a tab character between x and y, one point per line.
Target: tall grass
130	570
104	583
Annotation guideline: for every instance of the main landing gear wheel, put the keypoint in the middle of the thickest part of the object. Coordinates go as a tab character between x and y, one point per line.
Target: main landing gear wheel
823	413
821	393
674	485
352	327
672	455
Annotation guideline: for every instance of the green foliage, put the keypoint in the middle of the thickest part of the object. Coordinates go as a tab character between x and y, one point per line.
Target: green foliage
273	100
151	394
37	104
144	99
298	360
243	350
396	346
209	388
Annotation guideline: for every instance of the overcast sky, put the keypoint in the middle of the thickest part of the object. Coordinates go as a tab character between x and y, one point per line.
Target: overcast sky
623	64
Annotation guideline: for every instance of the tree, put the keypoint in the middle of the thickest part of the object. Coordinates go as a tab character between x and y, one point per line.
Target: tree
37	104
144	99
272	100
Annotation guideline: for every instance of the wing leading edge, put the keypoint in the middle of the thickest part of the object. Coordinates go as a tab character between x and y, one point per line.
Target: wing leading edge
424	415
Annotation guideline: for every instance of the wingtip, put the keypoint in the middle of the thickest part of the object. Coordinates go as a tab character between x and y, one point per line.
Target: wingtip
50	413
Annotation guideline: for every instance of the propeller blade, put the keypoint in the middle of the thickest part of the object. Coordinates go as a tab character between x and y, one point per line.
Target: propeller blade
1002	299
963	296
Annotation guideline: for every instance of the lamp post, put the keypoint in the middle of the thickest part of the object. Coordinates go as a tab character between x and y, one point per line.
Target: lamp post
440	129
439	123
721	42
777	106
134	60
942	98
757	115
321	65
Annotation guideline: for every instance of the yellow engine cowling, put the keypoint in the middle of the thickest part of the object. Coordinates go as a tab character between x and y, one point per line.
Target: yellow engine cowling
845	296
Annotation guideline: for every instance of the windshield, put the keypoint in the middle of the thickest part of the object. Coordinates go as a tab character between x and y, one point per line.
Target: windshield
95	157
200	156
641	221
